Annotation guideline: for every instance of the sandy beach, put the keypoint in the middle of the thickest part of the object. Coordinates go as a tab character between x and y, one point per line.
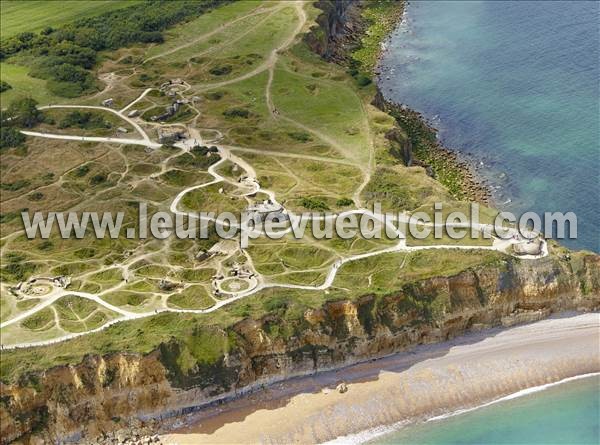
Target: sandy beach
426	382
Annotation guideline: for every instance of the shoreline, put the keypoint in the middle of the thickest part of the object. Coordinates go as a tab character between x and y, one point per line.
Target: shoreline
460	176
369	435
456	170
426	382
452	168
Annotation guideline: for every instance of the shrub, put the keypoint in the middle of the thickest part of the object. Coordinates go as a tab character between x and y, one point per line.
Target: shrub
77	44
23	113
14	186
314	204
81	171
84	120
4	86
35	196
275	304
237	112
363	81
300	136
220	70
98	179
45	245
10	137
16	268
65	89
344	202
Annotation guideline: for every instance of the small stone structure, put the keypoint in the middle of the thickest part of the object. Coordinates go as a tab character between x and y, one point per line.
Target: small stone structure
532	247
166	285
261	210
170	83
170	135
169	111
108	103
40	285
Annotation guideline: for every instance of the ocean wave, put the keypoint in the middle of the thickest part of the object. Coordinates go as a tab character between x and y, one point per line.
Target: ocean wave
373	433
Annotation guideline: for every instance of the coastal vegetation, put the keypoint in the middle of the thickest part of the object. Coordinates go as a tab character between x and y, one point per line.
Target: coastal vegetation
65	56
312	146
288	127
379	17
36	15
21	113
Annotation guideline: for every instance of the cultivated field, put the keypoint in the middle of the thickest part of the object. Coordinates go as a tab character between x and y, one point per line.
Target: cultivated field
30	15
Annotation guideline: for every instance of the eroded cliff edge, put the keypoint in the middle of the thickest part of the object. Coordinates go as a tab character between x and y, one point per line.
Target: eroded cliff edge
127	390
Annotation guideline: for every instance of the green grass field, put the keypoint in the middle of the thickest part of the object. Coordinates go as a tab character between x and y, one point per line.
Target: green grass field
306	129
24	86
26	15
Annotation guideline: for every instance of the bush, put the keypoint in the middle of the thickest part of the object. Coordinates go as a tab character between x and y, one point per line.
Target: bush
14	186
344	202
220	70
16	268
363	81
77	44
4	86
216	95
314	204
69	53
237	112
65	89
81	171
10	137
35	196
84	120
23	113
45	245
98	179
275	303
64	79
300	136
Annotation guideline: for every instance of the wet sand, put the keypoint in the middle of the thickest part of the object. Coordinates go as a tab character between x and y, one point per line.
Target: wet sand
406	387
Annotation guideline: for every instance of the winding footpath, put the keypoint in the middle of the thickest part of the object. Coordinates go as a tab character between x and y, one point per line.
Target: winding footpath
145	141
250	187
57	293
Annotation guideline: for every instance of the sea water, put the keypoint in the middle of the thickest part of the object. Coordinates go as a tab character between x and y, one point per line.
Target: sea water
567	413
515	86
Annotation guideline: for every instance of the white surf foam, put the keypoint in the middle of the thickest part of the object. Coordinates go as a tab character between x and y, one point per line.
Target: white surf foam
373	433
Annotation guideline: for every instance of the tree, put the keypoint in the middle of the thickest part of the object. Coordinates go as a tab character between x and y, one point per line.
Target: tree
10	137
24	113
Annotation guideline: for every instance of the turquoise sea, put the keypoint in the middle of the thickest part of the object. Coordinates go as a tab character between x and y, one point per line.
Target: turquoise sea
514	85
568	413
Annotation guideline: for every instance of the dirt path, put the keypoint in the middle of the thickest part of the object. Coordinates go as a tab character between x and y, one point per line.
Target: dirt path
227	153
203	37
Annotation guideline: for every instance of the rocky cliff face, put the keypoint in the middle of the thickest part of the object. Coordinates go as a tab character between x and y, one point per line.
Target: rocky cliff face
339	28
128	391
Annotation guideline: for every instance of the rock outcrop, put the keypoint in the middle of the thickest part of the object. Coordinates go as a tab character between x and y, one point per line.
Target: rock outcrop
136	392
338	30
129	391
